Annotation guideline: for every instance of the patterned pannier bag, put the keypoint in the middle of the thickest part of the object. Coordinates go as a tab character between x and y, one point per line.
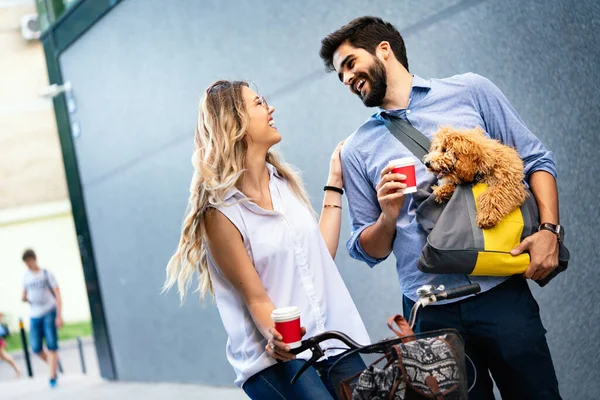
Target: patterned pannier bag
430	365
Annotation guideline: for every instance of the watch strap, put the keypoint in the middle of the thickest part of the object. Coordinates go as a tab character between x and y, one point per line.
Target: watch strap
556	229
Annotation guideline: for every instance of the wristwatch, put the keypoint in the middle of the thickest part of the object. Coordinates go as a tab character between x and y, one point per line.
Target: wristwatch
558	230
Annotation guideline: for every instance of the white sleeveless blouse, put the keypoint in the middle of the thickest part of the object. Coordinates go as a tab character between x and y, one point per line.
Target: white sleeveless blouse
296	269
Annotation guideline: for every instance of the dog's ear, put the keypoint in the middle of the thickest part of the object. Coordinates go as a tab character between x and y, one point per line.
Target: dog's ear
486	151
458	141
439	140
468	154
443	140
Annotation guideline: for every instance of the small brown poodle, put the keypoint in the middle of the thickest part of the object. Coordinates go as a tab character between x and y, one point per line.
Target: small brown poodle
467	156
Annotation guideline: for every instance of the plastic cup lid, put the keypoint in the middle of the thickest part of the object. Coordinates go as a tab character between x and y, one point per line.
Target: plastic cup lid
284	313
403	161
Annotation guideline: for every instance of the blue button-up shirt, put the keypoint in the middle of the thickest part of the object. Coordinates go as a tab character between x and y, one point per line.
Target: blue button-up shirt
463	102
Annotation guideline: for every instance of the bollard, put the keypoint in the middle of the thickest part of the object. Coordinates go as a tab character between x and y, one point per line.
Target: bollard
25	348
81	358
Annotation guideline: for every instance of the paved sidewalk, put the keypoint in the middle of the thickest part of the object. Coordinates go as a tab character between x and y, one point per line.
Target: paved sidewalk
69	358
77	387
73	385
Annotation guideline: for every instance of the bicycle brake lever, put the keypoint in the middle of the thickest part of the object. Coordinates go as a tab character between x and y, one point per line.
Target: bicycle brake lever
315	356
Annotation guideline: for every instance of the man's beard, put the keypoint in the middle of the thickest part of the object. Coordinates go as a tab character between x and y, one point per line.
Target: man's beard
377	78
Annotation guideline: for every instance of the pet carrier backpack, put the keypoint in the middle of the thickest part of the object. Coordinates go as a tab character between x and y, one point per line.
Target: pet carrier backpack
455	244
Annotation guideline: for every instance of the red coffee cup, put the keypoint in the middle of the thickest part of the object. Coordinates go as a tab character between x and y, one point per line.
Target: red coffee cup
287	323
406	167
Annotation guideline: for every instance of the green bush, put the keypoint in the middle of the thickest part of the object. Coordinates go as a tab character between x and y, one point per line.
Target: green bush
68	331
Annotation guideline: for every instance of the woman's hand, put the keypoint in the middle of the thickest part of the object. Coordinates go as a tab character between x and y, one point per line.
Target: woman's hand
278	349
335	168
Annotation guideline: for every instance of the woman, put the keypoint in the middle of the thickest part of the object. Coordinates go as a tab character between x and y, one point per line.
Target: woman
251	233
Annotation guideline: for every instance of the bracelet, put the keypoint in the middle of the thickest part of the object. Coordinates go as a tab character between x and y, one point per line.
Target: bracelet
335	189
332	206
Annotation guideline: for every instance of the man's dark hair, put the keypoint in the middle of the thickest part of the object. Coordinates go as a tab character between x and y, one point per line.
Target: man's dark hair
29	254
365	33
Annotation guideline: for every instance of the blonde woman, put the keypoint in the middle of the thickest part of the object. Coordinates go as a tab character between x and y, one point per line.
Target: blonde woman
251	235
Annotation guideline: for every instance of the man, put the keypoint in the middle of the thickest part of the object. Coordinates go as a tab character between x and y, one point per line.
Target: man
501	326
41	291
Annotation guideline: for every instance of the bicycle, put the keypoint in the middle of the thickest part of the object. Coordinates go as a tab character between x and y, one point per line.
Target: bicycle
397	351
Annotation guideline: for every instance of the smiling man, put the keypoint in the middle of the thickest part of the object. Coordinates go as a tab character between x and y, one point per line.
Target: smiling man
501	326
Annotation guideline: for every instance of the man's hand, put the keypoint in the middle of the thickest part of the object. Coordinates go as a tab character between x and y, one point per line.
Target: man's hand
389	193
543	251
278	349
59	321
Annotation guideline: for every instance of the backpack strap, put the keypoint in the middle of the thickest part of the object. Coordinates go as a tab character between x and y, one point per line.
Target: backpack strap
48	285
412	138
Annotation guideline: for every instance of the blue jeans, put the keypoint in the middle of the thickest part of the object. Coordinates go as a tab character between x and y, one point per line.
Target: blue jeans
41	328
314	384
503	335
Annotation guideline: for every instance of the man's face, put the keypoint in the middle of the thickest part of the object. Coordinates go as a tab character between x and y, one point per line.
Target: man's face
30	262
362	72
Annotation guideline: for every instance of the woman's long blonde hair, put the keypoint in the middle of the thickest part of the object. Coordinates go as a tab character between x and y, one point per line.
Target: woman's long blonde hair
219	162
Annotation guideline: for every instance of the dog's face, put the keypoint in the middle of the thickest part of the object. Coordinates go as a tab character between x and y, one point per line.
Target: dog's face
454	153
441	158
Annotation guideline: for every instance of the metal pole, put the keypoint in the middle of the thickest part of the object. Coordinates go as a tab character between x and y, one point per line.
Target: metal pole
25	348
81	358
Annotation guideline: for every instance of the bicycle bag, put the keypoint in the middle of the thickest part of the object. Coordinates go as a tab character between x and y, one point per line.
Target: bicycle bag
429	365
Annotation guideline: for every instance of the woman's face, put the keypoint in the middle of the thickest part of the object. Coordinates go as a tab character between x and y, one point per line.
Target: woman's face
261	129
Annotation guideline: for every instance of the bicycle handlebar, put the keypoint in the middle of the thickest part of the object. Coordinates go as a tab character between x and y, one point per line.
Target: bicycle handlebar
313	344
316	340
458	292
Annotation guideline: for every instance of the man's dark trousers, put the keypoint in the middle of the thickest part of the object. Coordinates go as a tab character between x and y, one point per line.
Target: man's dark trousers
504	334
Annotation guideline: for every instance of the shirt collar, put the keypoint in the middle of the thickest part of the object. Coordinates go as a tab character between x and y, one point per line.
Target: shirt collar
273	171
419	82
420	88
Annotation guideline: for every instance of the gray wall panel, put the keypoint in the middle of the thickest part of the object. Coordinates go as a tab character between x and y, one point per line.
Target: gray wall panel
154	339
137	77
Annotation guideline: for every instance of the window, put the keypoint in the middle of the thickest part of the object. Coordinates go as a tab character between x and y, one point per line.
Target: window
50	11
